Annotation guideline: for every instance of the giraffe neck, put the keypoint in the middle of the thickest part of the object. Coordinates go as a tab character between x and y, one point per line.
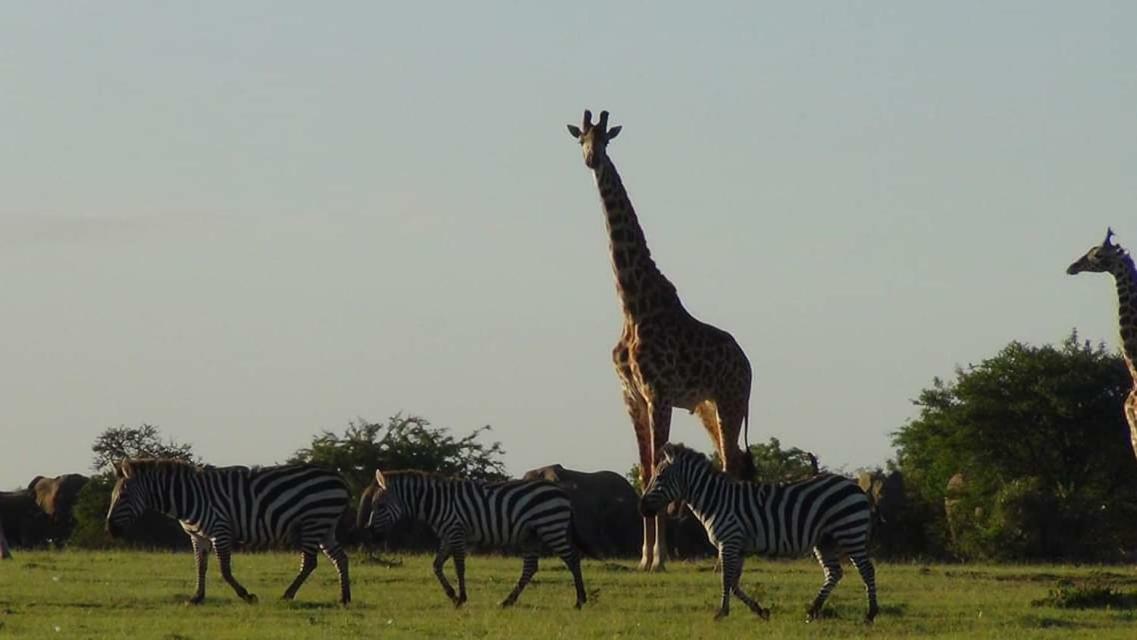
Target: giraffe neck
1125	275
642	287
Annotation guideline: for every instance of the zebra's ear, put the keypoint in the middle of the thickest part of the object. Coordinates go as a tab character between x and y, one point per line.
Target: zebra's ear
667	452
123	470
380	479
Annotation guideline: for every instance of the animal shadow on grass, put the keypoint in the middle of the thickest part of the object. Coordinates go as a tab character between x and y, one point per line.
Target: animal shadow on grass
1044	622
1094	593
308	606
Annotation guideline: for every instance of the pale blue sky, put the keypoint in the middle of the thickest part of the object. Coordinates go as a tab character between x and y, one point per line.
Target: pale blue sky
244	222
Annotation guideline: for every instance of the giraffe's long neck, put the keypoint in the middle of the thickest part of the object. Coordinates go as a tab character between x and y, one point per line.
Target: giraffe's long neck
1125	276
642	287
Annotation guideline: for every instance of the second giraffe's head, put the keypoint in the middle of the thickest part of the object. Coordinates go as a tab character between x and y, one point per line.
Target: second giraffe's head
594	138
1102	257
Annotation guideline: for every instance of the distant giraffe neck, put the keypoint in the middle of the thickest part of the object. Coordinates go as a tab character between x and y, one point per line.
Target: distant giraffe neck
642	288
1126	277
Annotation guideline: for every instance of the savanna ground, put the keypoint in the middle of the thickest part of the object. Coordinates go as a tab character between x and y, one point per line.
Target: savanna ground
76	594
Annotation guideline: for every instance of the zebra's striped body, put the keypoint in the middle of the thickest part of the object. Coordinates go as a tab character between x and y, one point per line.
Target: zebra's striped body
827	514
515	514
218	506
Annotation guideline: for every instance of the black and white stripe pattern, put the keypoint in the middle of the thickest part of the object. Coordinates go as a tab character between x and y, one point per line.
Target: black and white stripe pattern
519	514
217	506
827	514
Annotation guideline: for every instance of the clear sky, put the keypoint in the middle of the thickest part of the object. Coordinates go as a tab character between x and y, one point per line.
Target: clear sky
247	221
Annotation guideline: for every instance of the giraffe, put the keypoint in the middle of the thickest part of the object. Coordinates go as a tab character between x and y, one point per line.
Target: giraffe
1112	258
664	358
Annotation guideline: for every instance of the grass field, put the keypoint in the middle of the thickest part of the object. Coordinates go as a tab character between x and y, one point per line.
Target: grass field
74	594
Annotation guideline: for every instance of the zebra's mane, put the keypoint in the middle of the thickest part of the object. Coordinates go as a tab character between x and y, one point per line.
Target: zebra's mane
682	451
163	465
692	456
418	473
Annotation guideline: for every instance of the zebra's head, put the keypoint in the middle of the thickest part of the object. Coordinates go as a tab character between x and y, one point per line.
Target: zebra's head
669	486
128	500
387	508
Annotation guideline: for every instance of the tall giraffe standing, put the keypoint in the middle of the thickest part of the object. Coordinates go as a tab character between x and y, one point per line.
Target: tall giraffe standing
1109	257
665	358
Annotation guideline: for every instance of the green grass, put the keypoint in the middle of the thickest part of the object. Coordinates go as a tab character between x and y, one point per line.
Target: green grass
76	594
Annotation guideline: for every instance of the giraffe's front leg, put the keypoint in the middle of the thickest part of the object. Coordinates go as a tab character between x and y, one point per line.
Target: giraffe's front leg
660	413
638	411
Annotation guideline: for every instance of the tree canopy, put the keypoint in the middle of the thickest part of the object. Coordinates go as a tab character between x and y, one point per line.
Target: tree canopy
403	442
1037	443
142	441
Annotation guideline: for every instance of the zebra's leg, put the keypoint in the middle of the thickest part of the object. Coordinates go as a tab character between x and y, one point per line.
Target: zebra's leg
460	571
736	589
558	539
864	566
307	566
572	560
528	568
338	558
831	565
439	561
731	560
201	546
224	560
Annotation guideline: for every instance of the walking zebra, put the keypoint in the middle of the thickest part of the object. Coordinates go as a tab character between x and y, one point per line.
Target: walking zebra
525	514
217	506
828	514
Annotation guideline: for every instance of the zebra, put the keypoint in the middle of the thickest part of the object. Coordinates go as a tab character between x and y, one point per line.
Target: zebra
524	514
217	506
827	513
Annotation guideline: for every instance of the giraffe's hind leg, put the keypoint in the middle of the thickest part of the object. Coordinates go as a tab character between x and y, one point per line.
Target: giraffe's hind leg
723	419
830	560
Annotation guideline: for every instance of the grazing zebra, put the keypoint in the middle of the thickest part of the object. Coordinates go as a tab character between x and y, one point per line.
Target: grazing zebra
525	514
828	514
217	506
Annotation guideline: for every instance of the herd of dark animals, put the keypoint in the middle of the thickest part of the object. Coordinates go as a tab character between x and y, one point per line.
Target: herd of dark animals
658	360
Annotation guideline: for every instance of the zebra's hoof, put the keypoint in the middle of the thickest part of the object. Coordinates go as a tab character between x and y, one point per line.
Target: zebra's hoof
763	613
250	598
194	601
508	602
721	614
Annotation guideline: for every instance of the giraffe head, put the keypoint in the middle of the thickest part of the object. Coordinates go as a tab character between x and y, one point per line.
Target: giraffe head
1104	257
594	138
